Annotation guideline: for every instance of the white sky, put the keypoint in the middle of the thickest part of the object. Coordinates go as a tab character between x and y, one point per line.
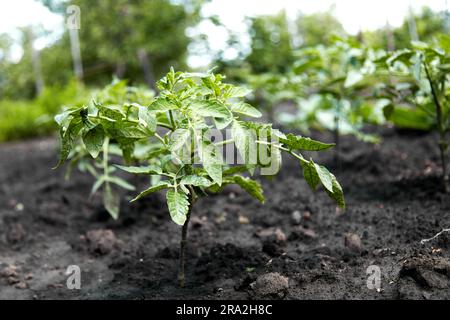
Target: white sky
353	14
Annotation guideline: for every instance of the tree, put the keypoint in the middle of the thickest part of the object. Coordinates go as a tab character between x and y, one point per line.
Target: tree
318	28
271	44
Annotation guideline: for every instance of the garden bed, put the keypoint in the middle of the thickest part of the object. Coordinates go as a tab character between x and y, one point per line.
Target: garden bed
394	199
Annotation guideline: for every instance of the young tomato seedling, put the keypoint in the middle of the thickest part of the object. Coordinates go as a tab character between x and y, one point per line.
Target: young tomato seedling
427	92
184	127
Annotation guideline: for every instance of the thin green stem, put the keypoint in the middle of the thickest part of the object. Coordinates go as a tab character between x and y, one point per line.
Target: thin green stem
441	128
183	241
221	143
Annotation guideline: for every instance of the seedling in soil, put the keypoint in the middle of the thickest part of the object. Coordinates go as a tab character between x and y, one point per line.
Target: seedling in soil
90	138
428	92
183	127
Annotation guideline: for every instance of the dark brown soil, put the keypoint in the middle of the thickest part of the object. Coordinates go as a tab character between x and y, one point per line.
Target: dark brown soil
237	246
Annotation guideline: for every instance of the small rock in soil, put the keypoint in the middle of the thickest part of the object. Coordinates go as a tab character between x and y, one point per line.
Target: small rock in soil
101	241
306	215
16	233
296	217
274	241
270	285
13	280
10	271
353	242
301	233
197	222
21	285
243	219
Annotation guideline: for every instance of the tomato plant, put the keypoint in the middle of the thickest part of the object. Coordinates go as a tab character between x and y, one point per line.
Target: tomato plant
421	91
183	127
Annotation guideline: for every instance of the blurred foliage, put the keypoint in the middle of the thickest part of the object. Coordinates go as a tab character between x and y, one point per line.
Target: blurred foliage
112	35
428	23
28	118
318	28
308	62
271	44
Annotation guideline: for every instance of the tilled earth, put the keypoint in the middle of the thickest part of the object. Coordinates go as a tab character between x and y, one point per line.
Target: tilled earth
297	245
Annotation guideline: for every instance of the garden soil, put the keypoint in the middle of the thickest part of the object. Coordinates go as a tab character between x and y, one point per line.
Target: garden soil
298	245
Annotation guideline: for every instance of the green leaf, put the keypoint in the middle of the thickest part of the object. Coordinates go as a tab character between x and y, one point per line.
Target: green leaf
111	201
162	105
324	176
353	77
179	139
196	181
93	140
238	92
212	161
245	141
222	123
97	184
159	186
337	194
310	174
237	169
126	130
301	143
246	109
252	187
207	108
178	206
147	118
121	183
68	138
140	170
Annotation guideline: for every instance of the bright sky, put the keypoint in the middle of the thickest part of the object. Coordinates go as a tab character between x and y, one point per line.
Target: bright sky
353	14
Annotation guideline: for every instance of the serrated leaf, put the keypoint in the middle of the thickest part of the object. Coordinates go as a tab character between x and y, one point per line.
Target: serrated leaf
310	174
178	206
222	123
93	140
196	181
212	161
159	186
245	141
252	187
238	92
207	108
162	105
68	138
178	139
246	109
302	143
111	201
324	176
121	183
337	194
140	170
147	118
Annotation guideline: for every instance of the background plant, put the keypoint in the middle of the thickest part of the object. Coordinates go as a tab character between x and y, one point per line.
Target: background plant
421	85
108	126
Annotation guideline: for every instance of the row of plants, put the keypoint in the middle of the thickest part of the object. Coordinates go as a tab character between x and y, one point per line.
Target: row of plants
347	86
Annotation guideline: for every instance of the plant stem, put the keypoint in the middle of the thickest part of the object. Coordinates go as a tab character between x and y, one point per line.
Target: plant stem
183	242
337	161
441	128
